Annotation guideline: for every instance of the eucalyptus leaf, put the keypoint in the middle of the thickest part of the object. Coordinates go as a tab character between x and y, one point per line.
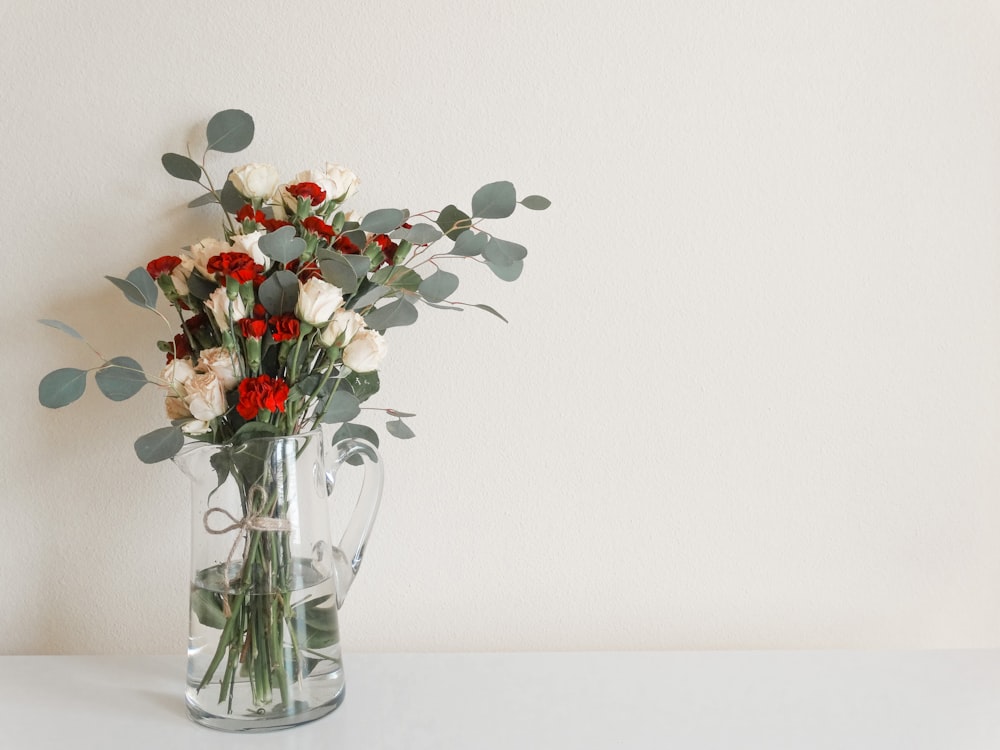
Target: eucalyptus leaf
383	220
207	607
398	313
132	293
369	297
453	307
490	310
398	277
536	202
279	293
339	272
503	252
418	234
159	445
203	200
282	245
360	264
230	198
438	286
61	387
181	167
470	243
349	430
59	325
200	287
394	413
121	378
494	201
508	271
343	406
363	384
140	278
453	222
399	429
229	131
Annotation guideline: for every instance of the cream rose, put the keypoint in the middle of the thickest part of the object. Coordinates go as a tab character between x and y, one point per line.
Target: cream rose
196	427
365	352
174	376
318	301
218	304
221	362
249	244
181	274
255	181
342	327
345	183
202	251
206	398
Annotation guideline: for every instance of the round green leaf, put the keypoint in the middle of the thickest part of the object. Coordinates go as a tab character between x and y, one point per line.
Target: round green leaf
494	201
121	378
203	200
338	271
453	222
343	406
230	198
282	245
536	202
418	234
398	313
159	445
349	430
504	253
229	131
470	243
399	429
506	271
62	387
438	286
279	293
383	220
181	167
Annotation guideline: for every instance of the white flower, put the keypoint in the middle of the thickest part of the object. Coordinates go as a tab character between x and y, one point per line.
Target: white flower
221	362
218	303
344	324
206	398
181	274
249	244
175	375
196	427
345	182
365	352
318	301
202	251
255	181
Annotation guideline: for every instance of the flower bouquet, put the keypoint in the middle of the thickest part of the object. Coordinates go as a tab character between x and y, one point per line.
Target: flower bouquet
280	328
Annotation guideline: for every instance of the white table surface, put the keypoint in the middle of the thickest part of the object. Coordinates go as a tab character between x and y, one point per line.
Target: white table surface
945	700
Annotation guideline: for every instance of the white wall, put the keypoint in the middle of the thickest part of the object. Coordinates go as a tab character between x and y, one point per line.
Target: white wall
748	395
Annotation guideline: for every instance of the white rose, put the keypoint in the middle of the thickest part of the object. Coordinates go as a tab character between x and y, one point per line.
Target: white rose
218	304
222	363
344	324
365	352
250	245
318	301
175	375
345	182
202	251
196	427
255	181
206	398
181	274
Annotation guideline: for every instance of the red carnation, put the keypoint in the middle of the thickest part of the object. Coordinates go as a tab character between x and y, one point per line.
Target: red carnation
316	225
344	246
247	213
261	392
160	266
252	328
309	190
387	246
180	349
238	266
271	224
285	327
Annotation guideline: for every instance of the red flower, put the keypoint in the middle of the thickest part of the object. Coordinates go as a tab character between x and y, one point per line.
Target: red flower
181	348
247	213
310	190
316	225
239	266
344	246
285	327
252	328
160	266
261	392
196	322
387	246
271	224
259	311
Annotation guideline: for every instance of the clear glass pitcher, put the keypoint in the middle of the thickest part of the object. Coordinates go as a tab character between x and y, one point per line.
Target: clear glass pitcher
267	578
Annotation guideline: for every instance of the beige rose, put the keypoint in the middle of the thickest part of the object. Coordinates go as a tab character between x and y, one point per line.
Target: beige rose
342	327
318	301
182	273
218	304
249	244
206	398
221	362
365	352
202	251
255	181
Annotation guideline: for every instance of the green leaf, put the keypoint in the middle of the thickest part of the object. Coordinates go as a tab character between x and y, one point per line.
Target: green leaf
282	245
230	198
507	272
494	201
132	293
203	200
470	243
398	313
61	387
399	429
229	131
59	325
418	234
369	297
504	253
339	272
181	167
398	277
141	280
489	309
279	293
403	414
360	264
363	384
343	406
350	430
201	287
159	445
383	220
439	286
536	202
121	378
207	607
453	222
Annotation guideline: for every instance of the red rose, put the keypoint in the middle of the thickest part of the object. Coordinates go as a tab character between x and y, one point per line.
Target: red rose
262	392
316	225
285	327
160	266
238	266
309	190
344	246
252	328
247	213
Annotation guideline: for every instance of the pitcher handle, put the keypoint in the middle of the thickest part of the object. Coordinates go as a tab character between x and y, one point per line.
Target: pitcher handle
348	554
